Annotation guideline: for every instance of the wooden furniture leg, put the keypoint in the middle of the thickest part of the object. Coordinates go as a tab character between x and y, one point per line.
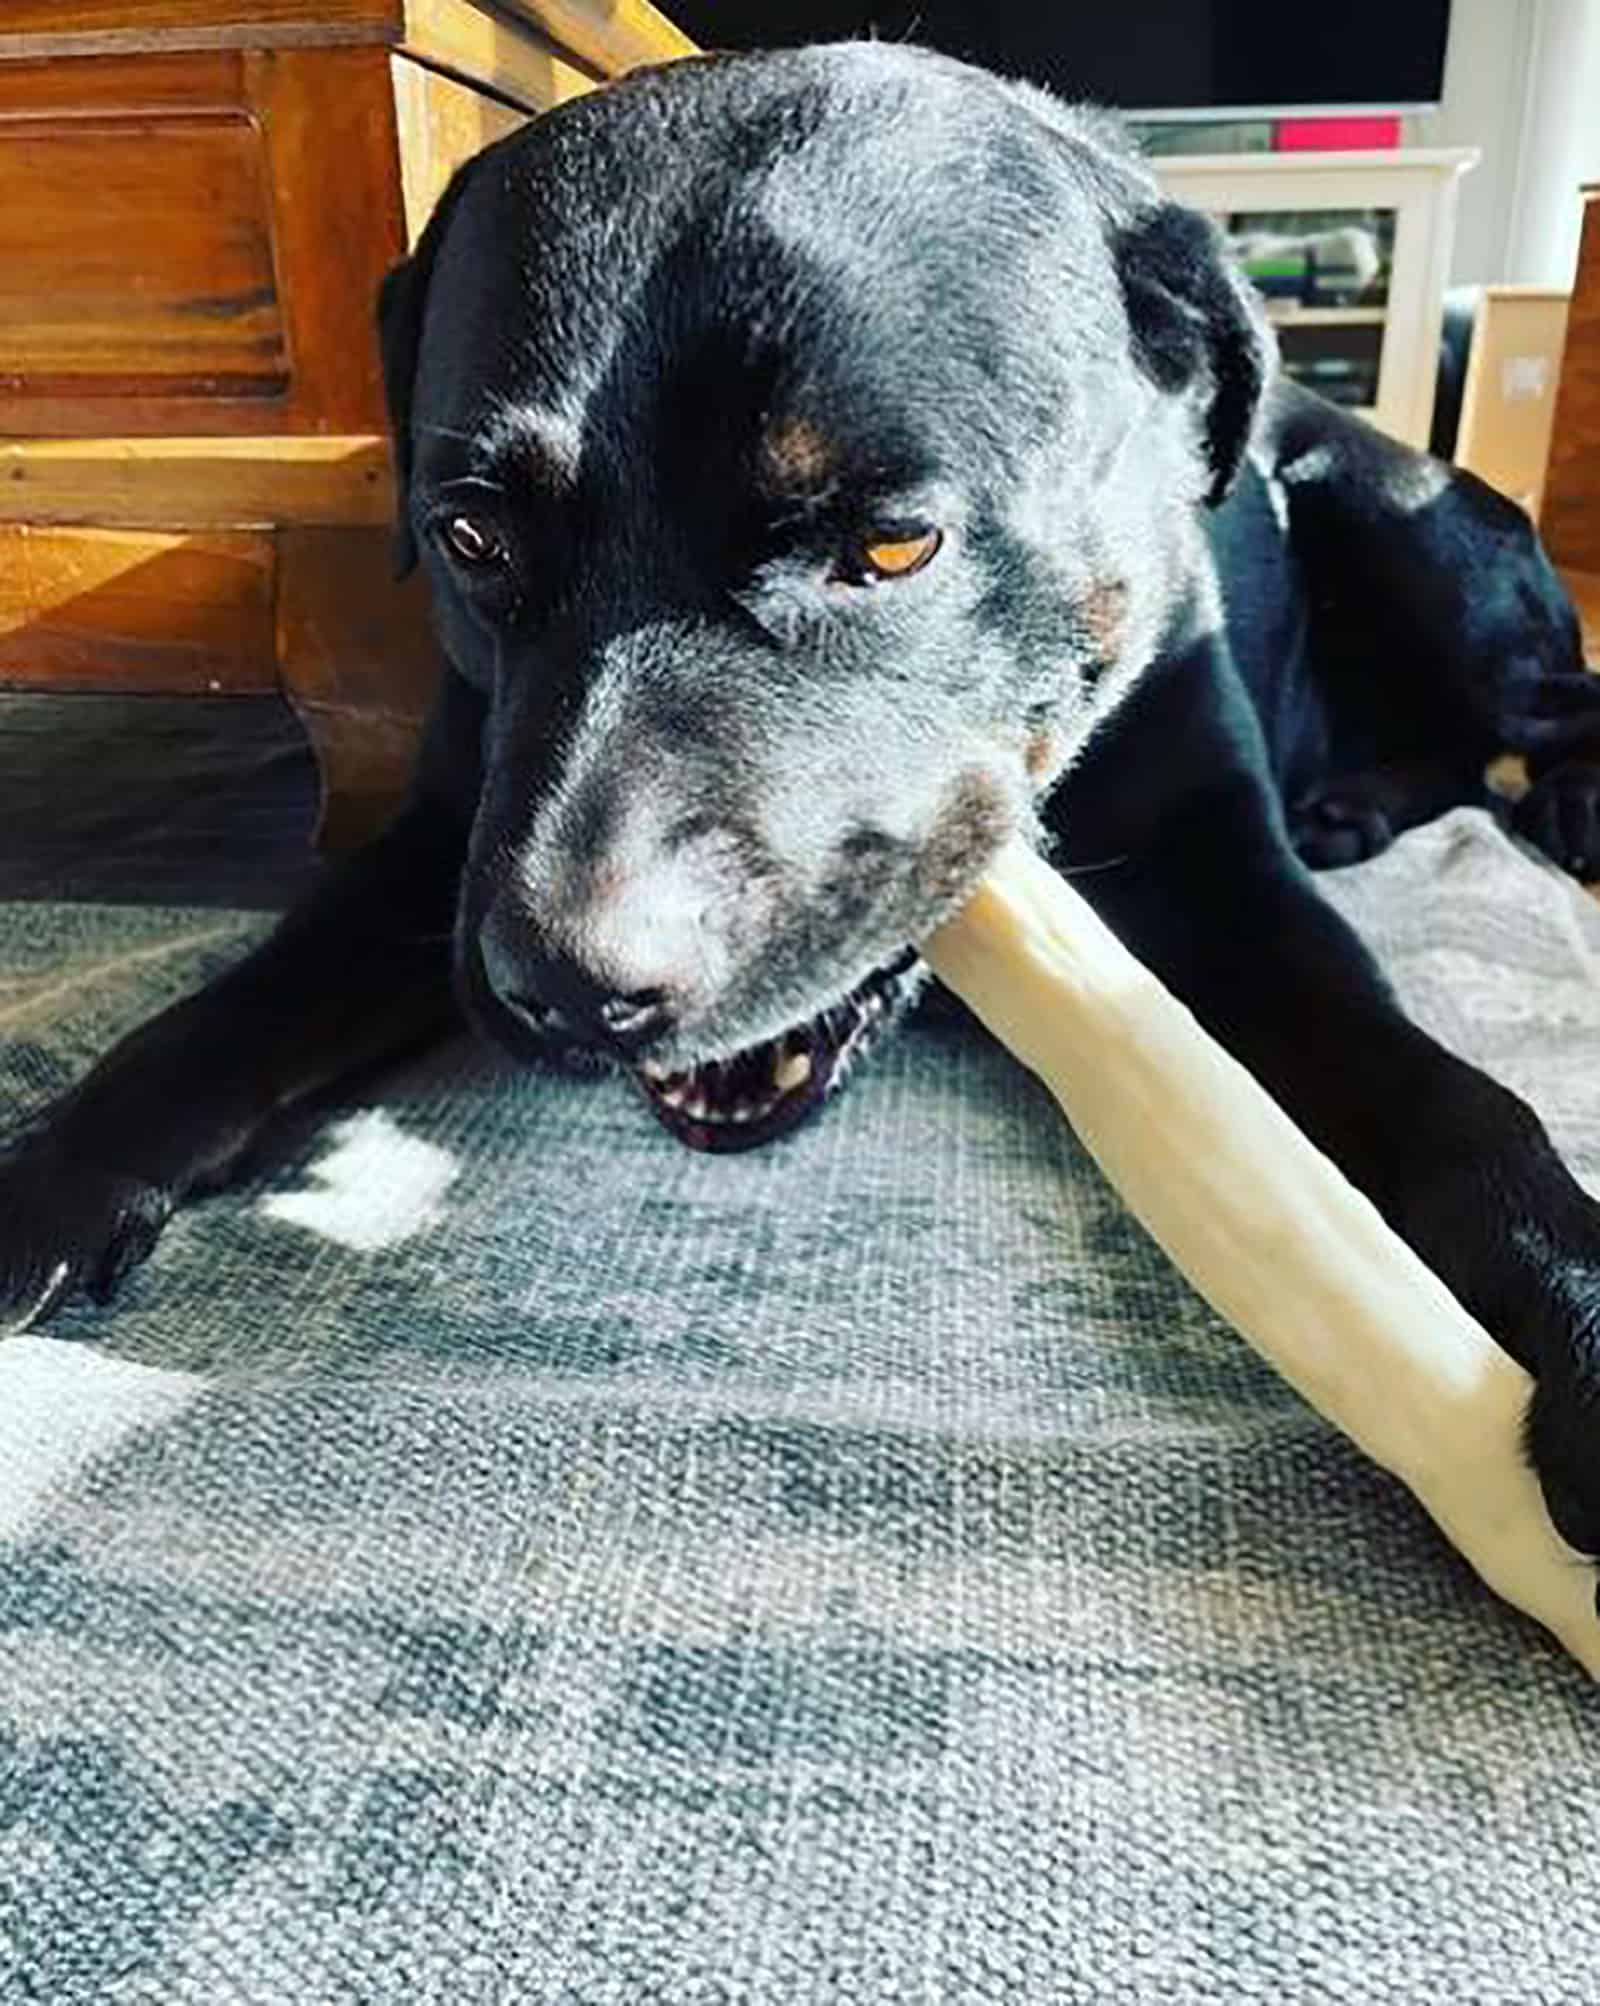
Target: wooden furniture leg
357	657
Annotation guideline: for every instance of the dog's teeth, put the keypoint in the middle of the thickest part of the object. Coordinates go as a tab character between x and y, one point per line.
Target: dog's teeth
673	1096
697	1108
792	1070
654	1070
743	1112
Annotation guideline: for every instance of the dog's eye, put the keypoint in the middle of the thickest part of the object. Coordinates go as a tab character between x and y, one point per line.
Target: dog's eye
469	541
899	556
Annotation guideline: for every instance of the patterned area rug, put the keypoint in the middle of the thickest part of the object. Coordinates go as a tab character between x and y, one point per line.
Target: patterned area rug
502	1556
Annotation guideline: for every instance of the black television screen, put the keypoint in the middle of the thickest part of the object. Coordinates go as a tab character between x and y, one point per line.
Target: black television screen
1166	57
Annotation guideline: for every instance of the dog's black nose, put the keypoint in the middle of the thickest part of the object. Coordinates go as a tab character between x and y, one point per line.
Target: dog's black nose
575	1011
557	994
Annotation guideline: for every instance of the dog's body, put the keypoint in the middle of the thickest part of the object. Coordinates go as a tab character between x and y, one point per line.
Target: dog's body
826	464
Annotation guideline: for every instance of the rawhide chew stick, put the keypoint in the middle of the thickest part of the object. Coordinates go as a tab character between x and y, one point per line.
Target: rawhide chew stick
1270	1232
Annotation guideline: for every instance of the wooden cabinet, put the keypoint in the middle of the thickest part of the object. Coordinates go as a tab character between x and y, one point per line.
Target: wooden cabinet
1571	520
161	289
198	199
163	266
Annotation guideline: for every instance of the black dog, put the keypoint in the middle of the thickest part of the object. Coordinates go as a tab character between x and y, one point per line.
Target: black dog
827	462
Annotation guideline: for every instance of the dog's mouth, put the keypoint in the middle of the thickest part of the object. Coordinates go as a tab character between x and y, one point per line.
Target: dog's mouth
768	1089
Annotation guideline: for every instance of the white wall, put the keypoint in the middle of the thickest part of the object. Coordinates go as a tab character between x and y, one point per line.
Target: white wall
1485	85
1522	84
1560	142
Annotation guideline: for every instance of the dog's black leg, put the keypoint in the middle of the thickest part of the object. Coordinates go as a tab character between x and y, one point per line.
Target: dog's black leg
1353	816
1441	585
1209	894
1560	813
357	973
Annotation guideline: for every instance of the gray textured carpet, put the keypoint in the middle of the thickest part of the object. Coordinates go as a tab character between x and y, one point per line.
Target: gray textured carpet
502	1556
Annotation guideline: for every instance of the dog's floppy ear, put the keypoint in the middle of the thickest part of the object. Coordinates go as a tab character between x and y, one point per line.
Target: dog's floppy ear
1198	327
402	303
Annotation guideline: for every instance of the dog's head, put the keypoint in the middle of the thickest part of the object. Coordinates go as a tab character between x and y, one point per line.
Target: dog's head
806	451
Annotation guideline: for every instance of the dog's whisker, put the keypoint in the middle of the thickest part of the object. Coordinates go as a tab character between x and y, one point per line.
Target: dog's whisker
1089	870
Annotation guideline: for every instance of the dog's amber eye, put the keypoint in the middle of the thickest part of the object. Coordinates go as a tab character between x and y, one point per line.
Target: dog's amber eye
468	540
899	556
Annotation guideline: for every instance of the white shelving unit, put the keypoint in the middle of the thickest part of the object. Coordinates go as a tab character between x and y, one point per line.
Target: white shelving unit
1284	314
1417	186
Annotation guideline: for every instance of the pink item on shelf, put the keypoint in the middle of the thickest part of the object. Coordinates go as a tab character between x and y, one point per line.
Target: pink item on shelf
1333	135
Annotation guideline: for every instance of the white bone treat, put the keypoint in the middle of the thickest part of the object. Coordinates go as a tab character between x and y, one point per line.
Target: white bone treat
1267	1228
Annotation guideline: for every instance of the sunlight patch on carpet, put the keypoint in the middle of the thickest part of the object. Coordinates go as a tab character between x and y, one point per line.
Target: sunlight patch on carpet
372	1188
63	1407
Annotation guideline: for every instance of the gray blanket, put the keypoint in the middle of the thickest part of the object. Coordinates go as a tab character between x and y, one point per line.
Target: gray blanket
502	1556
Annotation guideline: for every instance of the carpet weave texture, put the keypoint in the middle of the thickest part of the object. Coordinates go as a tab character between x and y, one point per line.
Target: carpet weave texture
501	1556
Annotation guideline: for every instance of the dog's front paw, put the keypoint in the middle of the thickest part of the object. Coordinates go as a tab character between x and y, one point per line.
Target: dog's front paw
68	1225
1561	1298
1517	1242
1340	824
1560	814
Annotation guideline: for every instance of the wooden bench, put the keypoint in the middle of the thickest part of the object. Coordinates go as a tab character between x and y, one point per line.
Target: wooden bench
201	197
